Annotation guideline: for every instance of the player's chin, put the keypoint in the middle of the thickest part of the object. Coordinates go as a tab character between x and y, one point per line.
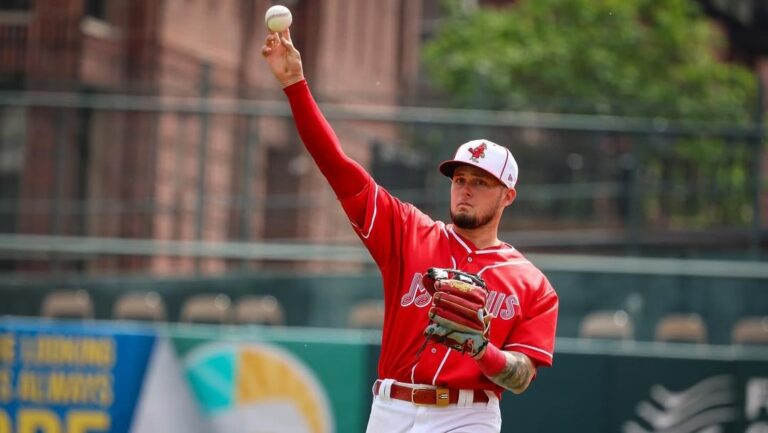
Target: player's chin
462	212
464	220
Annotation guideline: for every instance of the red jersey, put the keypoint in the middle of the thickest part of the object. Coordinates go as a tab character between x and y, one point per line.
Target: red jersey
405	242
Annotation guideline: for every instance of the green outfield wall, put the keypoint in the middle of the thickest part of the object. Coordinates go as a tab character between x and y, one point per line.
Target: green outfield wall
211	379
645	291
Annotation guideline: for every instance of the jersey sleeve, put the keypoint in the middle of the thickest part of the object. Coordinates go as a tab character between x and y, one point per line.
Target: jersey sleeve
379	219
535	335
345	175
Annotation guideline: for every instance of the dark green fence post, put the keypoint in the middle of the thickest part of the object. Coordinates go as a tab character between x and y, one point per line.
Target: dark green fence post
57	212
757	161
246	200
205	89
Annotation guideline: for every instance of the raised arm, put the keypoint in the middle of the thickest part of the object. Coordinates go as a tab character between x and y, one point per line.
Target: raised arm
345	176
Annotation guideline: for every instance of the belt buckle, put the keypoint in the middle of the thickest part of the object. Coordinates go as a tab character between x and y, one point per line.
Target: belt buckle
442	397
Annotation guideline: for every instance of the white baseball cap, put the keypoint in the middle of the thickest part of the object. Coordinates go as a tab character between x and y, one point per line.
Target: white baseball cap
495	159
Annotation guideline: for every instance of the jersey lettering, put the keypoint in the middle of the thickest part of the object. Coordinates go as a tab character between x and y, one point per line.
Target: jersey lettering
494	305
509	307
497	300
417	294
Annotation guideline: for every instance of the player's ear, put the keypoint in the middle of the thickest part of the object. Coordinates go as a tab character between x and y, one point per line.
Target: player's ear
509	197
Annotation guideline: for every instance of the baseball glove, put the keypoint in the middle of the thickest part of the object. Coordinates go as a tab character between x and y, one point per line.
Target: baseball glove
458	318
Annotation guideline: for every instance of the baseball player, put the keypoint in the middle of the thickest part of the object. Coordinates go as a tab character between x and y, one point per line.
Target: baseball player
466	315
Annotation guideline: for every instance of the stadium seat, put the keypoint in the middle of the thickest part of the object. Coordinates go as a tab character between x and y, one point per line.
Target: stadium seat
206	308
367	314
750	330
607	324
67	304
683	328
144	306
264	310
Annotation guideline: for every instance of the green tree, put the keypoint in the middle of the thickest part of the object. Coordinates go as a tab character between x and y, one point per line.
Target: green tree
627	57
649	58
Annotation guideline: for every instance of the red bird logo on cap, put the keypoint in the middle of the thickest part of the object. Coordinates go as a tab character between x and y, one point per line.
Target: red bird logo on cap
477	152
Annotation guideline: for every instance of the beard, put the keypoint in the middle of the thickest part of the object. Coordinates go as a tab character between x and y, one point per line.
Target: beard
469	222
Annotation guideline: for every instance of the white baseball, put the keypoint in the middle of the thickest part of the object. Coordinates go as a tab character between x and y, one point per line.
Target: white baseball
278	18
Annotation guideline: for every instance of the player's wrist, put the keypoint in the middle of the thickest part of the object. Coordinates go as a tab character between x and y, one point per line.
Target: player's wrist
290	81
295	88
491	360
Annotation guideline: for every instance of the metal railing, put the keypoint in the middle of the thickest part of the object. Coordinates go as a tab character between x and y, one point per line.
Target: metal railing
199	169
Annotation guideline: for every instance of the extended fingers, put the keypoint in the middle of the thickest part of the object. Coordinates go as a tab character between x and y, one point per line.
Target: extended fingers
285	39
286	34
272	41
288	44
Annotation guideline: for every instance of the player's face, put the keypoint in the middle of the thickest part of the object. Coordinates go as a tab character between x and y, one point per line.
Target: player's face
476	197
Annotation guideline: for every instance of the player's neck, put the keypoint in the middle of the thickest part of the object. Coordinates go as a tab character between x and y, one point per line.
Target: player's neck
482	237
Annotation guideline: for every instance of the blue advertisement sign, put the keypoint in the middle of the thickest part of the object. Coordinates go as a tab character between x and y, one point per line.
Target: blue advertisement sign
65	377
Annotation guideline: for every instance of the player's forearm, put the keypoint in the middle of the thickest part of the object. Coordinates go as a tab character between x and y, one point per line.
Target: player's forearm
517	373
511	370
346	176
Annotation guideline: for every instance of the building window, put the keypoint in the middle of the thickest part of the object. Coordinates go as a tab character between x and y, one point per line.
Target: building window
15	5
96	9
12	138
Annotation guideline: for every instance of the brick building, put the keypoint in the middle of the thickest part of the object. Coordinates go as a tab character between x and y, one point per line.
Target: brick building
170	175
173	174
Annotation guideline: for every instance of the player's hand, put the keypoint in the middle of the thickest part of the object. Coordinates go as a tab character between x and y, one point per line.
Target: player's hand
283	58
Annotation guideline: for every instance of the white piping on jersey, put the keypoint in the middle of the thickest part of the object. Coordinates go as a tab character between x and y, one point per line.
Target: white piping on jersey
445	232
373	217
459	239
413	370
469	250
528	347
509	263
500	250
447	353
